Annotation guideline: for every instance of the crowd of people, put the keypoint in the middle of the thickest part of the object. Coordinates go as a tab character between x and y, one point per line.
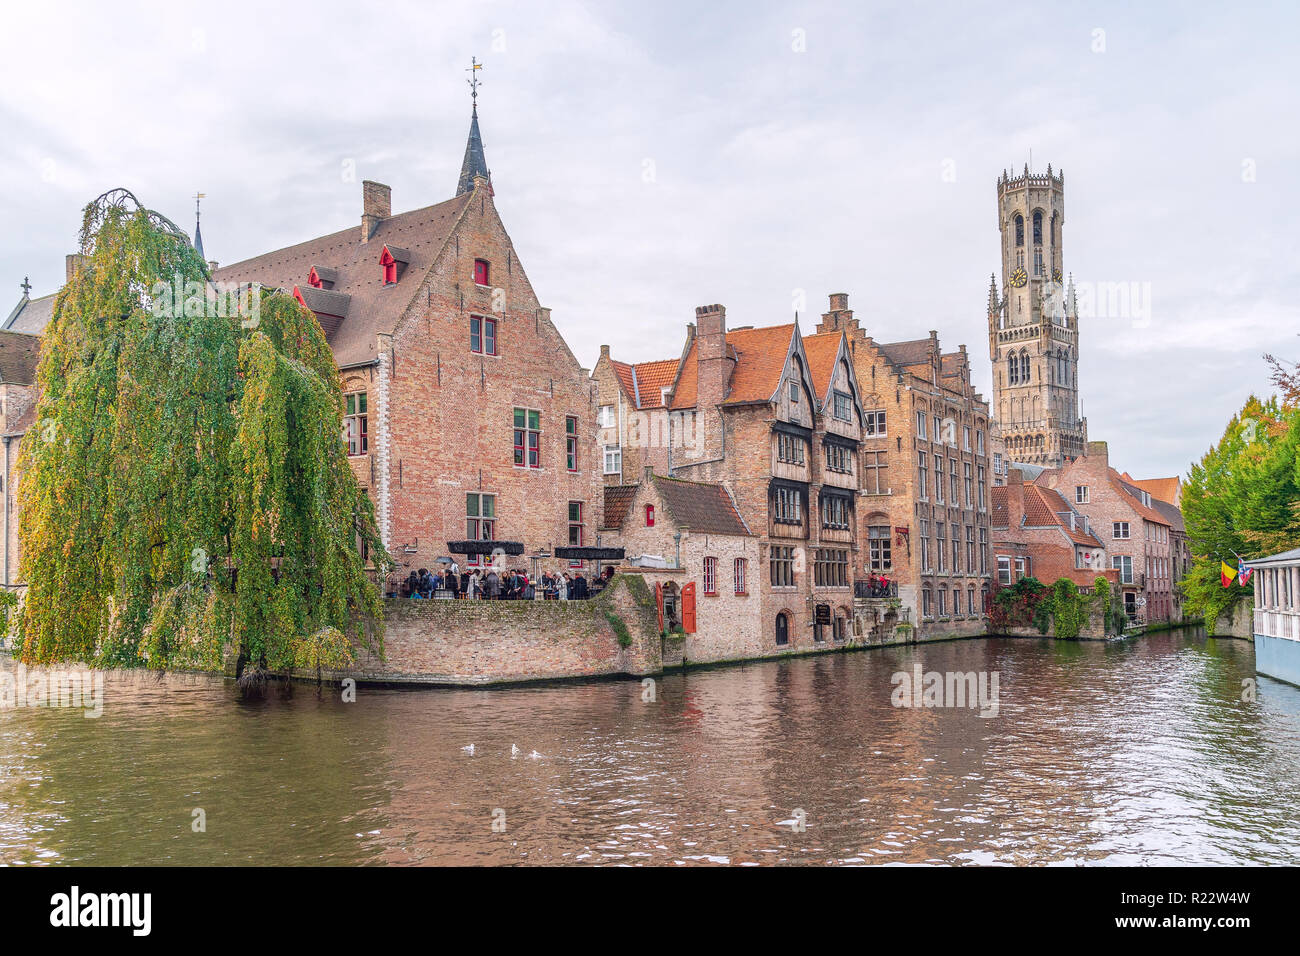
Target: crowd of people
506	584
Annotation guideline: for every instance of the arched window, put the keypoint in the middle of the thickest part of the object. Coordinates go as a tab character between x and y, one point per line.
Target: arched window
1013	370
1020	229
1061	371
1024	367
1038	227
782	629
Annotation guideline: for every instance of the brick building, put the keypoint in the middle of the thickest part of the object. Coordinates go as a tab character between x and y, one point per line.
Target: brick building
1037	533
1139	536
777	420
467	416
695	550
924	503
632	415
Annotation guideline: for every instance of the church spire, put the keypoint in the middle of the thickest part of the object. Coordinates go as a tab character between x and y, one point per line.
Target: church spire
475	163
198	236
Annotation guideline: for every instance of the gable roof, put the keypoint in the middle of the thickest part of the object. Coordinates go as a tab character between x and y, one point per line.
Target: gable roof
704	508
644	382
31	315
760	356
822	350
903	354
1165	489
617	500
372	306
19	355
1043	509
1134	496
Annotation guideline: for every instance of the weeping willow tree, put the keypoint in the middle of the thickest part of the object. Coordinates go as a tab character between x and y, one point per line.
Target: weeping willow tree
184	495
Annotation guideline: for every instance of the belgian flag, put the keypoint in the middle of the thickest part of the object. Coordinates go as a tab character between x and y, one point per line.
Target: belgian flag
1226	572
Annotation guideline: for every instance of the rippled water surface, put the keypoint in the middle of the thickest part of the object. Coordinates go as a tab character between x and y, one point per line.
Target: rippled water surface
1134	752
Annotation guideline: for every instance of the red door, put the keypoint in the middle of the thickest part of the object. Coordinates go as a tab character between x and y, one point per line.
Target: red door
688	608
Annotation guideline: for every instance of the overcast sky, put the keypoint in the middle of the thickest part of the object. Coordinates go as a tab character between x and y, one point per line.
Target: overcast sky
652	157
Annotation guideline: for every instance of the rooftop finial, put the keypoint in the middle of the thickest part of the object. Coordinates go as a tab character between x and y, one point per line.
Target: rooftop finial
474	81
198	236
475	163
26	286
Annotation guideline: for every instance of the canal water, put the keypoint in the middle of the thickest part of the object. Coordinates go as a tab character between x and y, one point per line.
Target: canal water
1140	751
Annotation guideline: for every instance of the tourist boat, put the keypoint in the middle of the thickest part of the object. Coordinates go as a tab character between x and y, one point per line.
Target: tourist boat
1277	616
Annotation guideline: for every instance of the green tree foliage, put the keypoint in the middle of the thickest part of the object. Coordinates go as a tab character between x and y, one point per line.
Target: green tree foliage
184	492
1242	497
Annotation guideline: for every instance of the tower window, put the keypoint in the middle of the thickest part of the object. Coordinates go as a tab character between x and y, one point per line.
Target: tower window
1038	228
480	272
1024	367
1020	230
1013	370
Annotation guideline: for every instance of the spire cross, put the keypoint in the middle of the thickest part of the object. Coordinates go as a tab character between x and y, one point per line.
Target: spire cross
26	286
474	81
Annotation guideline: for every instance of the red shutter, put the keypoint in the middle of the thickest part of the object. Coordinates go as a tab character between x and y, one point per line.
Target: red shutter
688	608
659	604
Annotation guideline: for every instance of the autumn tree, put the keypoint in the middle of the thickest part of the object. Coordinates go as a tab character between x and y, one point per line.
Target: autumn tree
184	495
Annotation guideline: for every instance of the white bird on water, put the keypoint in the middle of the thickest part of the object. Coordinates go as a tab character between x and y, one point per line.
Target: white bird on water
514	751
469	750
534	756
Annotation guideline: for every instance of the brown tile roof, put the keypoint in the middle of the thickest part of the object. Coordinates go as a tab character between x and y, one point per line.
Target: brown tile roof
31	315
19	354
372	306
903	354
24	422
821	351
760	358
704	508
998	498
617	500
1043	509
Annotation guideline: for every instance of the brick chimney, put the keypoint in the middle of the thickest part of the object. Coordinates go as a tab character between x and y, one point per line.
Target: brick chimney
72	264
713	375
376	206
840	316
1015	498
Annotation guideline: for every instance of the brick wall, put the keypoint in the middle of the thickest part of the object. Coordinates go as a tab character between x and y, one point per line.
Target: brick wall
487	642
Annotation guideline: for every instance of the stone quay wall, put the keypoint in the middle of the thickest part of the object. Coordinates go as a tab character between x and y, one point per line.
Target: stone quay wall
472	642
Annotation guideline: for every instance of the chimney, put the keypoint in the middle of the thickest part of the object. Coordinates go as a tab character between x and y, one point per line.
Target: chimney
1015	498
713	375
72	264
212	265
604	351
376	206
839	317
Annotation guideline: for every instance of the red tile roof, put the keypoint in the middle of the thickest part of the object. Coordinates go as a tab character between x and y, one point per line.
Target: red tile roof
760	359
1166	489
821	351
651	379
1150	514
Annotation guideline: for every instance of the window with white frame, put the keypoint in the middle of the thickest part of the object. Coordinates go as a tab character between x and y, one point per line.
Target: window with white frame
1119	529
740	569
875	423
613	459
607	418
1081	494
710	575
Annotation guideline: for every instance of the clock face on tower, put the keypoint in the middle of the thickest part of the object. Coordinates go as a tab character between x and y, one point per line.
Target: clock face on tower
1019	278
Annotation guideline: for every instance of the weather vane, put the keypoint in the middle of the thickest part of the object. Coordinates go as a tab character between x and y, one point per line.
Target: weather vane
473	80
197	198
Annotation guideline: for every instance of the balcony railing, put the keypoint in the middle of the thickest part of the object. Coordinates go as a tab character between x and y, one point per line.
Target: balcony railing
867	589
1272	622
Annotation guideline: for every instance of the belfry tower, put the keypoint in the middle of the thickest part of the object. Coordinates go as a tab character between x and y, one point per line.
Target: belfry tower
1034	326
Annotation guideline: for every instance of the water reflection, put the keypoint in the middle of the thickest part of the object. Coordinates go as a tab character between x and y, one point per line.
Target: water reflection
1134	752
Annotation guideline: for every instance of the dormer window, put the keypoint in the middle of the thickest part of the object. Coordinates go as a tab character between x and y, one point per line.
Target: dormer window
481	272
313	279
322	277
393	260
